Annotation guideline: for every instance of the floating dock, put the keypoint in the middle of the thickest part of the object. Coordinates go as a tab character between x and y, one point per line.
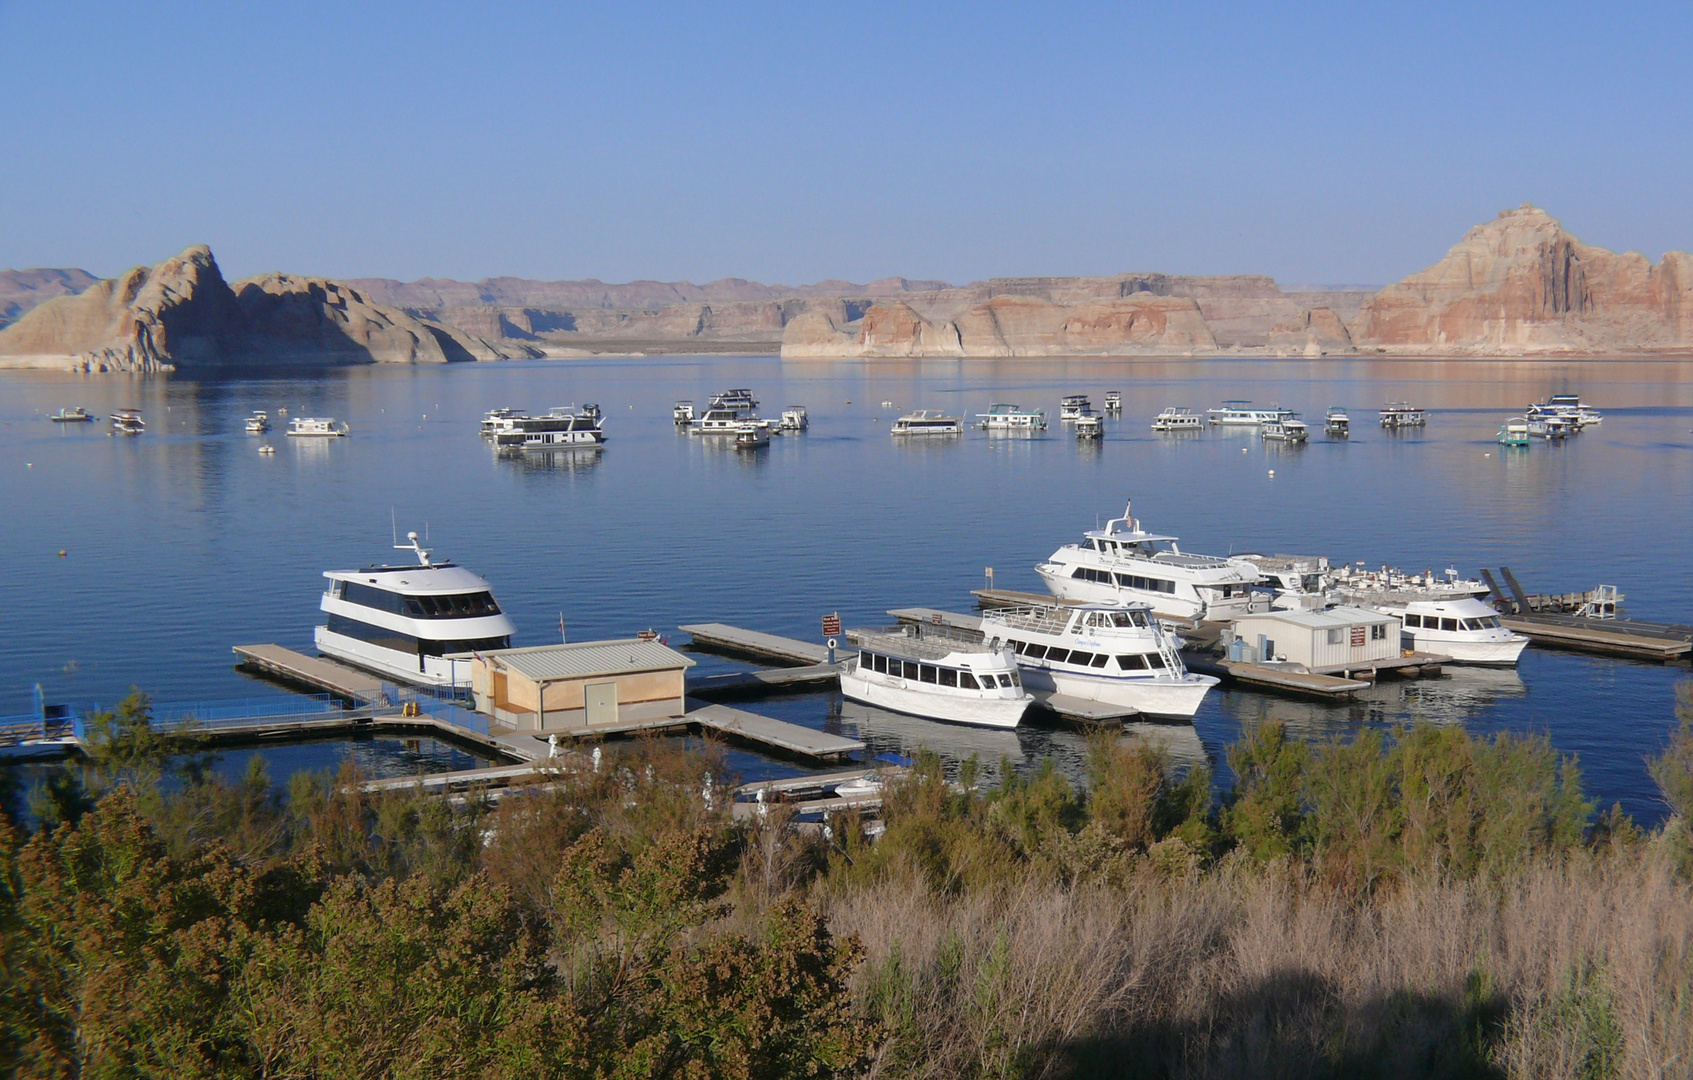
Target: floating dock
295	667
720	637
814	794
793	738
763	681
1003	598
1304	684
1609	637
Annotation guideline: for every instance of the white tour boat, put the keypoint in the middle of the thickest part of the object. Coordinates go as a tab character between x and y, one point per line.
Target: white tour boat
1288	429
128	422
1113	401
1178	418
417	624
927	422
562	426
1399	414
1118	655
1242	414
323	427
1074	407
1336	423
258	423
1122	563
1465	629
1089	426
1356	584
682	413
938	677
794	419
1003	417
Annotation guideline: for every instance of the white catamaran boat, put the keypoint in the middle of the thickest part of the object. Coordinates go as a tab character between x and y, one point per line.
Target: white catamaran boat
1118	655
1002	417
562	426
1178	418
417	624
939	677
322	427
1242	414
1122	563
927	422
1074	407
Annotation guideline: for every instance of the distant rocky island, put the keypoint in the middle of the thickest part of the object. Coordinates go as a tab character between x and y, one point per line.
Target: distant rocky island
1515	286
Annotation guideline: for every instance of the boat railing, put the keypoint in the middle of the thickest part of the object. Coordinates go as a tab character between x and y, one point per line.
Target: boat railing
220	714
1038	620
916	643
29	727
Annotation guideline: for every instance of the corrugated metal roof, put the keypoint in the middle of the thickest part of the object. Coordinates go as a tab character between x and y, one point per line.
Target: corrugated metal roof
1337	616
591	658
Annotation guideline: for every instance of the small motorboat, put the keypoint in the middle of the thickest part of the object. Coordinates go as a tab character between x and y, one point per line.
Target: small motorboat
74	415
267	450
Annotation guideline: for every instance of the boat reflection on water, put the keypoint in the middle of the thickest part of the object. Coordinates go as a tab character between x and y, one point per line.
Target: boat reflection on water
566	459
1457	696
1179	742
890	732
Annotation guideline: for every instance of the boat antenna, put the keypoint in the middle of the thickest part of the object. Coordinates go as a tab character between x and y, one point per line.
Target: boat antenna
394	525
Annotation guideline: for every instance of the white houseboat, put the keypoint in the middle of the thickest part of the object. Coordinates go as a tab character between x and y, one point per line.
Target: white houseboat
1399	414
1118	655
927	422
751	436
1570	407
562	426
73	415
1113	401
258	423
491	419
794	419
682	413
416	624
1178	418
128	422
739	398
1242	414
1288	429
1336	423
1089	426
1074	406
936	677
317	427
1122	563
1002	417
725	420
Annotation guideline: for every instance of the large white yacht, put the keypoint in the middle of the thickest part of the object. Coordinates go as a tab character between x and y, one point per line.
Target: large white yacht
1123	563
410	622
937	677
562	426
1118	655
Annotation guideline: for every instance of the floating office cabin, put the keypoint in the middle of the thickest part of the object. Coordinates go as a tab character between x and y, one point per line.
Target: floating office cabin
1338	639
577	688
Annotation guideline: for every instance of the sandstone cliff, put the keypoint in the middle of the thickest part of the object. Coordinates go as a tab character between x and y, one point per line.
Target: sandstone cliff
182	313
21	290
1520	284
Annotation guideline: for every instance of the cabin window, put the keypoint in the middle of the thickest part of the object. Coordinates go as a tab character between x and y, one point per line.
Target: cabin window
1378	632
865	661
1080	658
1018	647
926	673
1080	572
967	680
1132	663
949	677
1413	622
1057	656
1099	660
1121	618
1005	680
910	670
1035	652
1155	661
1449	624
1336	635
1490	623
1016	680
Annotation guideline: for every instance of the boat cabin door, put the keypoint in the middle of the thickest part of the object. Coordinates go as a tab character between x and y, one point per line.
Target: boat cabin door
599	703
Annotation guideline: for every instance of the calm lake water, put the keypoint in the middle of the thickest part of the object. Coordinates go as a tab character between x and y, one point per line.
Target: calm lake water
185	541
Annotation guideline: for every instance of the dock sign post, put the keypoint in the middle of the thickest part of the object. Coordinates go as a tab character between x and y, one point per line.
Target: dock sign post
832	630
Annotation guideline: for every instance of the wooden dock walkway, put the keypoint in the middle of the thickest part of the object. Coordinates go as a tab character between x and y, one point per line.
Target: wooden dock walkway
1609	637
1274	678
721	637
763	681
316	672
804	741
1002	598
1075	708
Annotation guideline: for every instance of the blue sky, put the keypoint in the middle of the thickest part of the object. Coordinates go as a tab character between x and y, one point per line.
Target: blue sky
1319	143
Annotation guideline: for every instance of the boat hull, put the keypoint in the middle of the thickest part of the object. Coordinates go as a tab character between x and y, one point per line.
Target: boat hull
1159	696
392	663
1495	652
886	692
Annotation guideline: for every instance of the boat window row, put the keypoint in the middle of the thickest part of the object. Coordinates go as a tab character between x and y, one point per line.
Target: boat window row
1085	658
1436	622
382	637
938	674
1127	581
451	606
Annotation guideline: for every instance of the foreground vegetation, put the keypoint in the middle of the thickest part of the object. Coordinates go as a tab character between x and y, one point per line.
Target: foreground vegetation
1421	905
